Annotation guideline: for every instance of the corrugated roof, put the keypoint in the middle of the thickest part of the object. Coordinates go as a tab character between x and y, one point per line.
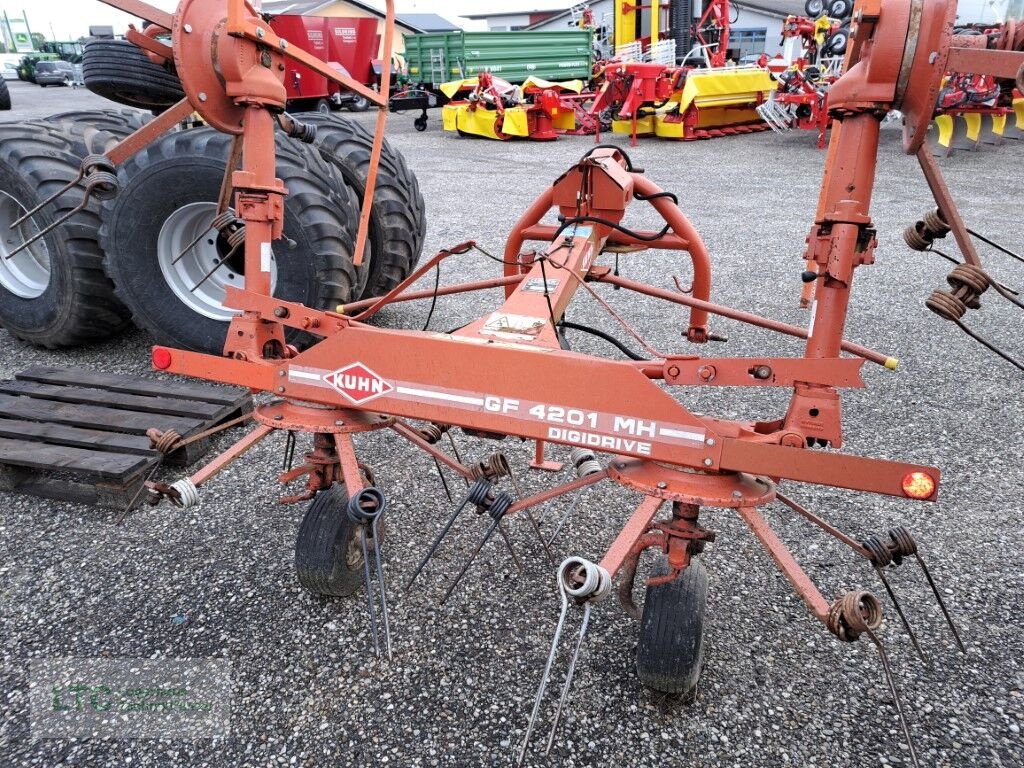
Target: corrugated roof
428	22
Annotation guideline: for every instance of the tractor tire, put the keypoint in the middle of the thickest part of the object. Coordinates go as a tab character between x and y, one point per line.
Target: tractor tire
814	8
168	199
119	71
670	652
56	293
398	222
5	96
840	9
328	555
120	122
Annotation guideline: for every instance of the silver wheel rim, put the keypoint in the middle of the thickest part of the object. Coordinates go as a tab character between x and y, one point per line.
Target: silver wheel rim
26	274
184	274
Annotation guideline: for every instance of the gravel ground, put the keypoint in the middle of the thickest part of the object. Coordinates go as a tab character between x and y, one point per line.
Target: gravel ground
777	690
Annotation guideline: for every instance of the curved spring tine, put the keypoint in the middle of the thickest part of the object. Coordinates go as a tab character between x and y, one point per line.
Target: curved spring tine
544	679
511	549
903	618
895	696
70	185
371	609
193	244
47	230
216	266
529	514
568	676
565	518
444	481
380	586
490	531
942	605
437	541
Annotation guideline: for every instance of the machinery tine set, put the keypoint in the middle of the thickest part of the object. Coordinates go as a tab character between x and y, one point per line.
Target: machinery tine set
584	463
497	466
585	583
860	613
366	509
100	179
891	549
497	506
776	115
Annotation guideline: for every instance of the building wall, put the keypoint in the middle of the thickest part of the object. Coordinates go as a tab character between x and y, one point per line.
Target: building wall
508	22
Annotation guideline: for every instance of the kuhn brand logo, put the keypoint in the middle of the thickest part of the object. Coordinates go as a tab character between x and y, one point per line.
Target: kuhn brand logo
358	383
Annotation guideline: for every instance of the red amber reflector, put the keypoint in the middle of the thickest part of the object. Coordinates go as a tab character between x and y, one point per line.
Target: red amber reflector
162	361
918	485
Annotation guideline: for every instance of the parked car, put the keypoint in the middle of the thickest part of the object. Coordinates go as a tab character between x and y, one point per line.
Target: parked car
9	66
54	73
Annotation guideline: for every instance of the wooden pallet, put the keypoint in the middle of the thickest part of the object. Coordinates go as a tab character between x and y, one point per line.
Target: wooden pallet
77	435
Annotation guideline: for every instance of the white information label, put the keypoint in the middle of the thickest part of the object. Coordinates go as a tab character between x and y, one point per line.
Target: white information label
266	256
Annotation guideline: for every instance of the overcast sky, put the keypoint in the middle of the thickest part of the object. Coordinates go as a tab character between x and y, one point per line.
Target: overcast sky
70	19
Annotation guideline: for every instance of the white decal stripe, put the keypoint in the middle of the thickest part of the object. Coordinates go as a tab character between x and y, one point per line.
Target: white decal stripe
431	395
682	434
294	374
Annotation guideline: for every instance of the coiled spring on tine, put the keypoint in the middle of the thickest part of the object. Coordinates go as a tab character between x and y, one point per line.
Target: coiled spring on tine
586	583
366	509
967	281
497	466
432	434
97	175
584	463
897	544
482	496
860	613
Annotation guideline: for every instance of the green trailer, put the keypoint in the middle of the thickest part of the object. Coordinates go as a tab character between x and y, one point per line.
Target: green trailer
440	57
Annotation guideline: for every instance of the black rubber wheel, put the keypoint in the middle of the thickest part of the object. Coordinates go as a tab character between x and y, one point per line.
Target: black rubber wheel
670	652
120	71
398	221
55	294
5	95
120	122
358	104
840	9
420	124
168	198
324	107
814	8
328	555
837	41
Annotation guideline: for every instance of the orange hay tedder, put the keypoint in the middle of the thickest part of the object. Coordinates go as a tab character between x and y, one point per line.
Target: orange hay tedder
507	373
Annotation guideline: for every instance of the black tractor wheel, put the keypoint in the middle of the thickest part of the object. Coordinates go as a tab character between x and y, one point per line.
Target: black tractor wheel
814	8
837	41
55	292
670	653
328	555
5	95
120	122
840	9
420	123
168	201
397	219
120	71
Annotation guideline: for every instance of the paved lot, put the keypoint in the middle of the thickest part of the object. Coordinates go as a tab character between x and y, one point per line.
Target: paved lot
777	689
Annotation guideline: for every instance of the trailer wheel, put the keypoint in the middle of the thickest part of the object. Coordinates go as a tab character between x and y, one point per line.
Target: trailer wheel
54	293
328	555
5	95
168	201
119	71
358	103
840	9
324	107
838	40
420	123
670	653
397	219
814	8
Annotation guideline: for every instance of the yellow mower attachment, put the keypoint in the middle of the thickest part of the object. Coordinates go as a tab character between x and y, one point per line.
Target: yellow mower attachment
715	102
